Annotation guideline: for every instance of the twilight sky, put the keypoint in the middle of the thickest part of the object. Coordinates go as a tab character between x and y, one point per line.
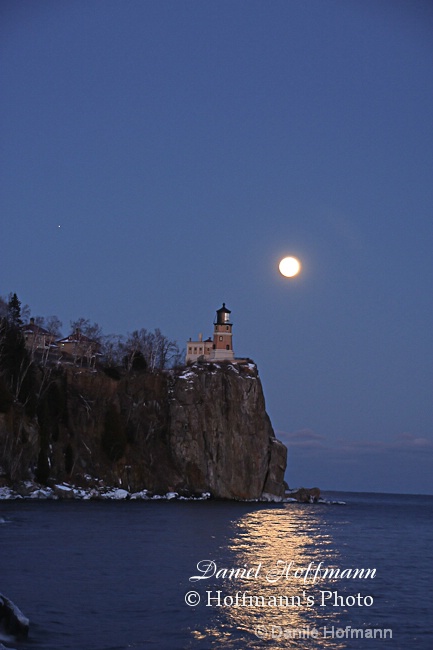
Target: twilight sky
183	147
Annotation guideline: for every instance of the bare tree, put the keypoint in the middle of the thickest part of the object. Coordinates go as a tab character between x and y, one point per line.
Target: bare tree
54	326
91	330
25	313
133	346
112	350
156	349
165	349
178	358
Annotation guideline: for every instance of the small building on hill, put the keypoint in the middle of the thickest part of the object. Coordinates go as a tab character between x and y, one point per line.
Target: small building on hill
220	348
79	346
37	338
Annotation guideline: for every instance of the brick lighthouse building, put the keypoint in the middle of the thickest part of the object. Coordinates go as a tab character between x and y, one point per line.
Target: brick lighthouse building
221	348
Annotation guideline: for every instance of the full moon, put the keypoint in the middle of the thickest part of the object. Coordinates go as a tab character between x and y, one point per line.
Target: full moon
289	267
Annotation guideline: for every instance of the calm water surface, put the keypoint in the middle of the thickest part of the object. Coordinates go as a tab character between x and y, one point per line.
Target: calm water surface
111	576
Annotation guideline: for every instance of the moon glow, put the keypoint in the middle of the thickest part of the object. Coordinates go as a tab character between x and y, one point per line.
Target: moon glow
289	267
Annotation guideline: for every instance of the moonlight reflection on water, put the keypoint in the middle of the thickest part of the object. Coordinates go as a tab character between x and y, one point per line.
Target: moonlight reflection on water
281	596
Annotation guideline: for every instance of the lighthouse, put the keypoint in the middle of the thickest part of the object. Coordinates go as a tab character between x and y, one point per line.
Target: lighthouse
222	349
218	349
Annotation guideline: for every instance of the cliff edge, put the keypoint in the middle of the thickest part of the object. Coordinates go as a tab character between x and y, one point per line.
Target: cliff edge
221	435
203	428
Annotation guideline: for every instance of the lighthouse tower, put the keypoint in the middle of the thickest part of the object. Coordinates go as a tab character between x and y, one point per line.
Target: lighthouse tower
222	349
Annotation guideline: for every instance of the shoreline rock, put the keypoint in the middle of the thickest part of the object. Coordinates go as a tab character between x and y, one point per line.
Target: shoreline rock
30	490
66	492
12	619
305	495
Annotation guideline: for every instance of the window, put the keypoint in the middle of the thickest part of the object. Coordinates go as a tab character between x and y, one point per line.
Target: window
221	338
227	347
190	350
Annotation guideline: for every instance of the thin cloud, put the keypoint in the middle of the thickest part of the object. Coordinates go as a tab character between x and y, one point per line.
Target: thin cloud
410	441
302	438
401	442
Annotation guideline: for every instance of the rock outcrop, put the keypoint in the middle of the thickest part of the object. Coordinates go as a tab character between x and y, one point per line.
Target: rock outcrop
221	435
12	620
306	495
200	429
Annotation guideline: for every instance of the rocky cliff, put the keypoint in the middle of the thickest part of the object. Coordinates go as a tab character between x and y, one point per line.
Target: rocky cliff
200	429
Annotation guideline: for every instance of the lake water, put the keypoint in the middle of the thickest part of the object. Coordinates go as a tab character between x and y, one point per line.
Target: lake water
96	575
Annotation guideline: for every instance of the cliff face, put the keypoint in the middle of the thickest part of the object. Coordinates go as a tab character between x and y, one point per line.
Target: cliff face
221	435
204	429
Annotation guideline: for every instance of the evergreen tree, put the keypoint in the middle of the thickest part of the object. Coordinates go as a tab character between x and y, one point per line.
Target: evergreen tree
3	307
14	310
16	367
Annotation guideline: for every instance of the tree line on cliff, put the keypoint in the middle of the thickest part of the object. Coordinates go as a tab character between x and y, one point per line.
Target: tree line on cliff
26	376
32	385
138	350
